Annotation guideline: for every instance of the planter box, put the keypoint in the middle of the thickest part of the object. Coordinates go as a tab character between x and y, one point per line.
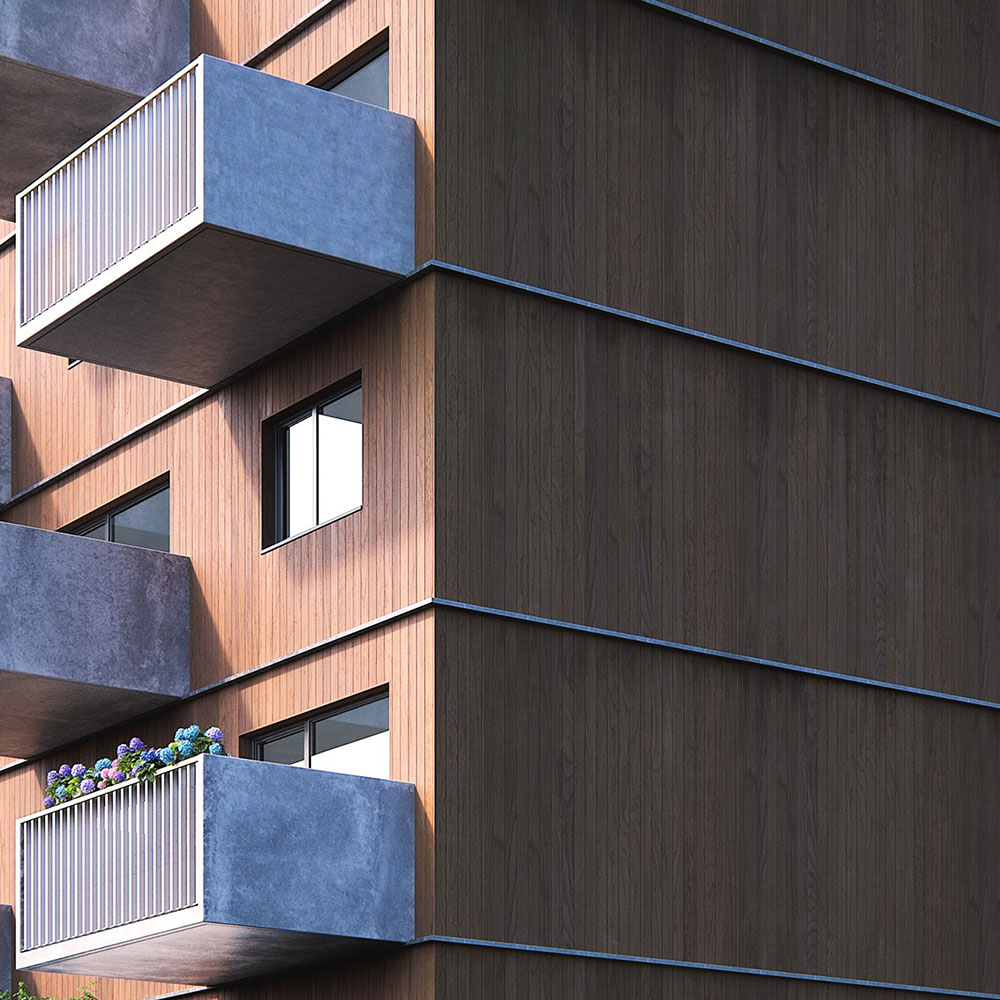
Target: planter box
226	868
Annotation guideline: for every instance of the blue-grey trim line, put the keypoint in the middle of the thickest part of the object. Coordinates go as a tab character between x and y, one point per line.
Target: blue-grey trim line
699	966
719	654
855	74
687	331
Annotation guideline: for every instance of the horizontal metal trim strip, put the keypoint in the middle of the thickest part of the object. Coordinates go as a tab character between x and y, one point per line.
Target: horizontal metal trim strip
827	64
699	966
719	654
289	34
687	331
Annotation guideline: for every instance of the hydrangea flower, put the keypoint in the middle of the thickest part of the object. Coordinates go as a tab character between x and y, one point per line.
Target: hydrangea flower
101	784
62	792
78	770
179	735
214	734
136	744
65	770
51	776
48	802
192	732
215	748
118	777
148	756
102	764
166	755
185	748
87	786
122	749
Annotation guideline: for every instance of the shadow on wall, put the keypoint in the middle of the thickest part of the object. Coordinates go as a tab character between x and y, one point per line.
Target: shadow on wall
6	946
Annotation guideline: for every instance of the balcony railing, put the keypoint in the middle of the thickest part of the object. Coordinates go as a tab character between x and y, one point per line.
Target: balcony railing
223	217
218	870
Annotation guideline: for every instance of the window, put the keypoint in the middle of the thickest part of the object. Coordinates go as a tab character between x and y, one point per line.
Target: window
318	453
364	75
353	740
144	522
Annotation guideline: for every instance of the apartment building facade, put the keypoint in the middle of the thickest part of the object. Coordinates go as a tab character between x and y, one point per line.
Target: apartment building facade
556	444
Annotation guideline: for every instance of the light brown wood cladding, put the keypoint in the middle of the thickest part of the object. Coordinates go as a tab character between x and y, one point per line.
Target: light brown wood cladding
599	471
246	607
399	654
944	50
643	801
615	153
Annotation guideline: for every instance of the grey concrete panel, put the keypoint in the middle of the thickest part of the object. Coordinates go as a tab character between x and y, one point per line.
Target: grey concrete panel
308	851
43	118
90	619
132	45
6	947
6	454
307	168
211	306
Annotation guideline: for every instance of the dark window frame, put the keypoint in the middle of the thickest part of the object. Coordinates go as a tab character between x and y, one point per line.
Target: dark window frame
274	462
104	515
253	745
356	59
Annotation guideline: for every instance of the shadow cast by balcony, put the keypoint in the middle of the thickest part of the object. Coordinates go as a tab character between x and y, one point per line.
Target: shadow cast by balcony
91	633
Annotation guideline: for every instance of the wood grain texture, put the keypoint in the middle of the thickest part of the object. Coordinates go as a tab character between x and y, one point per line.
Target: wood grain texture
611	152
399	655
941	49
642	801
599	471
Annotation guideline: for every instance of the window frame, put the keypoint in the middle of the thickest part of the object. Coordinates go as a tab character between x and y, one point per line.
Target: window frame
307	723
105	515
275	462
356	59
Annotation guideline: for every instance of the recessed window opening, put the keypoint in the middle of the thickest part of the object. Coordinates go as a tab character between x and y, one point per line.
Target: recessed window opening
318	463
144	522
351	740
366	77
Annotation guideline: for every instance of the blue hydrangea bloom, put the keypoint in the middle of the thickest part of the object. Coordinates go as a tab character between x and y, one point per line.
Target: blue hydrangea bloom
179	735
102	764
65	770
122	749
87	786
214	734
136	744
166	755
62	792
148	756
48	802
192	732
78	770
51	776
185	748
215	748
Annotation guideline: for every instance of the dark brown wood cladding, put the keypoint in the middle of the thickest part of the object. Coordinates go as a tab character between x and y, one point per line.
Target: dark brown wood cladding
600	471
599	795
611	152
400	655
490	974
944	50
247	607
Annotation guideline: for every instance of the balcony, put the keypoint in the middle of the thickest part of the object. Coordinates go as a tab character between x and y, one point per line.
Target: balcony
224	869
68	69
227	215
91	633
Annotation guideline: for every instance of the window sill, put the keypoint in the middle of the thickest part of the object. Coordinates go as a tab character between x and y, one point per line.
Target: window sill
308	531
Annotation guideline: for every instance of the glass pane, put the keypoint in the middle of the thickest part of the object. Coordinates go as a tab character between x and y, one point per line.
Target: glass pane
340	456
299	447
99	530
146	523
370	83
289	749
355	741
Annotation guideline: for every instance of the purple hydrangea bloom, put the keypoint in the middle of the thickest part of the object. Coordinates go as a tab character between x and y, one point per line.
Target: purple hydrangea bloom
118	777
166	755
48	802
78	770
87	786
51	776
65	770
136	744
102	764
122	749
214	734
185	748
215	748
148	756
